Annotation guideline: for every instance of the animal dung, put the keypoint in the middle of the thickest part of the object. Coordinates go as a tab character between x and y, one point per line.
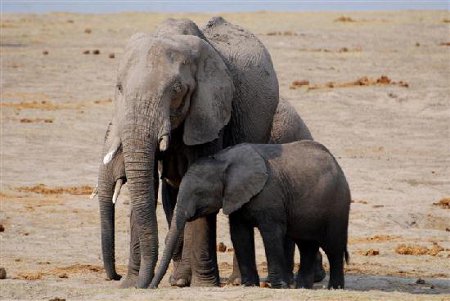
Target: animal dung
96	52
370	252
2	228
88	30
443	203
383	80
221	247
344	19
45	52
86	52
111	55
418	250
2	273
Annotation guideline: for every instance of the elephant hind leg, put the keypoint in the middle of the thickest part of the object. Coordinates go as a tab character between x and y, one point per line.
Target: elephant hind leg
308	252
336	260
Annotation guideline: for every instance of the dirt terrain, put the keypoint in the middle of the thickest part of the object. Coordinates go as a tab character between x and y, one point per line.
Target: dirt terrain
373	87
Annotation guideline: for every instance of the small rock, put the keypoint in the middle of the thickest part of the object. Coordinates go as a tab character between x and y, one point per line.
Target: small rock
63	275
45	52
221	247
96	52
2	228
86	52
111	55
2	273
87	30
420	281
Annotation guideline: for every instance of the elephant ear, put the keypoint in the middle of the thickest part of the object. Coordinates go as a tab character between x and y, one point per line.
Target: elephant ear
245	176
210	108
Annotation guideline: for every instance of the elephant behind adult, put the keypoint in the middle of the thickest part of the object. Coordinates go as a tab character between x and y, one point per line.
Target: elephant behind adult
183	93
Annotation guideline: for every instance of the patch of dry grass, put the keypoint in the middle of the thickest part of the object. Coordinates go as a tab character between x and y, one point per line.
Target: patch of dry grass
43	189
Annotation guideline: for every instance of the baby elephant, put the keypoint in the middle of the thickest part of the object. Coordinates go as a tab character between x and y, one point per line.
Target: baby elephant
295	189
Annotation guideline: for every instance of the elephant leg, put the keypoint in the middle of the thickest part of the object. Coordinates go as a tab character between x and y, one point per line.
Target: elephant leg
235	277
319	271
205	271
273	239
134	261
289	250
308	251
243	238
336	260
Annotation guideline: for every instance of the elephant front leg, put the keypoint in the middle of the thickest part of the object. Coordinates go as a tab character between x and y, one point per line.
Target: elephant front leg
243	238
134	261
205	271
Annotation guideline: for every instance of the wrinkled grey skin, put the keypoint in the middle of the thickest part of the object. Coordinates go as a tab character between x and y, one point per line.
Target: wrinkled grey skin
295	189
287	126
182	94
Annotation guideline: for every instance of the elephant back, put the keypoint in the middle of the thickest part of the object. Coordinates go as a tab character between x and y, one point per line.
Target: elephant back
256	85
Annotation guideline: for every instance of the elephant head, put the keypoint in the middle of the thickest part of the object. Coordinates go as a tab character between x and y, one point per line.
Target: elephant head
110	180
164	82
226	180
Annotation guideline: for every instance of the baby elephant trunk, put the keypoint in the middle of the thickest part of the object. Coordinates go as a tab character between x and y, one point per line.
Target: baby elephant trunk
176	226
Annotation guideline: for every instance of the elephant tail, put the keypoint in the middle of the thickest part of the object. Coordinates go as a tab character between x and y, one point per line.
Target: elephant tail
346	256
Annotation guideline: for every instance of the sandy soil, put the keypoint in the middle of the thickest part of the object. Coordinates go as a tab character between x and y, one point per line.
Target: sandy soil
390	135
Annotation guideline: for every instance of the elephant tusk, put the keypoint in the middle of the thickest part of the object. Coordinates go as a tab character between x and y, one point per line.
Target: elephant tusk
119	184
164	143
94	192
113	150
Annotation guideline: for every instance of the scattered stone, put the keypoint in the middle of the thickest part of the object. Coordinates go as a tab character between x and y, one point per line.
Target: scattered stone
45	52
63	275
111	55
2	228
86	52
87	30
221	247
96	52
2	273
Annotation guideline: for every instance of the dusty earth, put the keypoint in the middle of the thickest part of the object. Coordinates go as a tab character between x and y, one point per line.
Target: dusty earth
373	87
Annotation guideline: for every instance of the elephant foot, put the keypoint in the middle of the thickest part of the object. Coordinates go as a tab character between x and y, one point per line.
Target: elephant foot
319	273
234	279
115	277
179	282
129	282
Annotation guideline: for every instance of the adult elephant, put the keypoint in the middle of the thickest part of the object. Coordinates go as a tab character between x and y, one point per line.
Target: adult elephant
183	93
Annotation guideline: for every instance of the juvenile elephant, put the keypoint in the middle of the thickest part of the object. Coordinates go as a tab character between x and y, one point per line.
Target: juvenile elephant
295	189
183	93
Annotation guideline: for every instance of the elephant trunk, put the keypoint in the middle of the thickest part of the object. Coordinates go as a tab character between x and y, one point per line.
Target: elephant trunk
139	147
176	227
105	194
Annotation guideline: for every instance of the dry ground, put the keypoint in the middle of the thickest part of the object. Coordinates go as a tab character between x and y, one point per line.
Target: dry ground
390	134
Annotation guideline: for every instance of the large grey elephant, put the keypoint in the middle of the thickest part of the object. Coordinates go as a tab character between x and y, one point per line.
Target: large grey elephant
296	190
182	93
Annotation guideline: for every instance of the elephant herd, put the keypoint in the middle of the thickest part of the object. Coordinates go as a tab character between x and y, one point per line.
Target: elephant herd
200	110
